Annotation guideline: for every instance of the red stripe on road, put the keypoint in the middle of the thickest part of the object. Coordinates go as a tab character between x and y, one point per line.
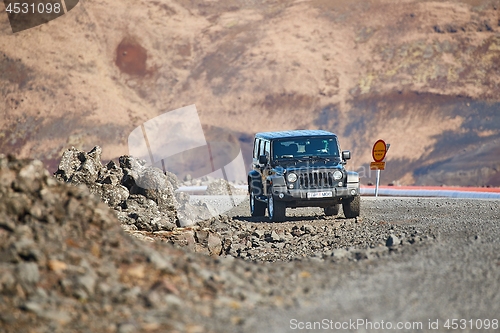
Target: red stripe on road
439	188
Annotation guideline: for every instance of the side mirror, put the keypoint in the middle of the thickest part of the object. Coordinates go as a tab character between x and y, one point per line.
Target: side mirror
262	159
346	155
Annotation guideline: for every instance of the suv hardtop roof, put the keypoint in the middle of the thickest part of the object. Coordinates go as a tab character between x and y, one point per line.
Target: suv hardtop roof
292	134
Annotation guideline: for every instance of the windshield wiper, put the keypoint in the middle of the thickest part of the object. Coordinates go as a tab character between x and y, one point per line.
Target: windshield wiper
286	159
316	157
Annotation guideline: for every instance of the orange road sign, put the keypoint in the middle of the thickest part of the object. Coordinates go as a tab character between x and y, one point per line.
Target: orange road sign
379	150
377	166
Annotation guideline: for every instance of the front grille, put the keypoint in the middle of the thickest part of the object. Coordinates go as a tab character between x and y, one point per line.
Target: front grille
318	179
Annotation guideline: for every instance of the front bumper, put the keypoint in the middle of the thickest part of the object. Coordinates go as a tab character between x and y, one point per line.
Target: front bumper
300	197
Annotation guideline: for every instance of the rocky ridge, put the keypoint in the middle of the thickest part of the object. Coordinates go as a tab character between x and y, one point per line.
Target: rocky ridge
142	196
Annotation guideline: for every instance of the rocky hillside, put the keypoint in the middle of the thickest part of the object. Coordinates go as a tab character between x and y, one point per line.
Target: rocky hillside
422	75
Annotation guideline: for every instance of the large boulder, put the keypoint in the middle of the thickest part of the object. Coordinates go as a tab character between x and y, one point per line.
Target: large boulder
143	196
77	167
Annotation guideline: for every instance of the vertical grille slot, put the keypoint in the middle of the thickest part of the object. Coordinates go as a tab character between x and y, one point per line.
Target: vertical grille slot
316	179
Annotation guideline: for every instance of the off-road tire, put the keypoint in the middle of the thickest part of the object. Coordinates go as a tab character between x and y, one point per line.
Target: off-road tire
276	209
332	210
352	207
257	208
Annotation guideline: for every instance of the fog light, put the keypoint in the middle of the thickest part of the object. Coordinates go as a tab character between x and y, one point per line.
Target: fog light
290	186
281	195
353	192
340	183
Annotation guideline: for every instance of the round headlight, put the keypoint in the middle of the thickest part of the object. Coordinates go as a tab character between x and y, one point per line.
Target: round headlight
291	177
337	175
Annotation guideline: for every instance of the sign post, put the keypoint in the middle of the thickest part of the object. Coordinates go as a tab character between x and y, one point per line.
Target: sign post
379	151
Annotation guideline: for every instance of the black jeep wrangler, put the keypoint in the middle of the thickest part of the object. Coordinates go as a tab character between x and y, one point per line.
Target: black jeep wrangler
302	168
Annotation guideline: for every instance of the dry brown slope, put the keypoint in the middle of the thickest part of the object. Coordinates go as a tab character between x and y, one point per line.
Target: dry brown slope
357	68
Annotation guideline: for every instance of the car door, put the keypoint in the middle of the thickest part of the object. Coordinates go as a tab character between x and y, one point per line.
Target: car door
266	169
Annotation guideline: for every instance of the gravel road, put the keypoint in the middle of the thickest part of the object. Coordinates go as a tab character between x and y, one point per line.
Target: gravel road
451	272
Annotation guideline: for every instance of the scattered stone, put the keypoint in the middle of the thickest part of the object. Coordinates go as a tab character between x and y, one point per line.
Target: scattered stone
214	244
220	187
259	233
308	229
339	253
275	237
392	241
28	273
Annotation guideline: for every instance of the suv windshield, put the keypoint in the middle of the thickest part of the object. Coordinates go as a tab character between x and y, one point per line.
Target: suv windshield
305	147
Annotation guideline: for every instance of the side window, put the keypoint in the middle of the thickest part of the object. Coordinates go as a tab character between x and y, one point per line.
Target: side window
267	149
256	148
261	149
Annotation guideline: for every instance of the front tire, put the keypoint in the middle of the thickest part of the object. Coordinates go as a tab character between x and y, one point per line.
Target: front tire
352	207
257	208
332	210
276	209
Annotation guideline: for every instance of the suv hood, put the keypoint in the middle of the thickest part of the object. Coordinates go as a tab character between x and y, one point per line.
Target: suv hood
320	165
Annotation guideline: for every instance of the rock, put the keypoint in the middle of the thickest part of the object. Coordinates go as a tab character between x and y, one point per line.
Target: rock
339	253
118	185
296	232
58	316
173	301
112	174
161	263
31	177
88	282
190	214
202	236
70	162
57	266
275	237
114	184
308	229
7	278
184	239
278	245
214	244
154	185
361	254
220	187
258	233
182	197
78	167
392	241
28	273
32	307
144	214
113	195
127	328
172	178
